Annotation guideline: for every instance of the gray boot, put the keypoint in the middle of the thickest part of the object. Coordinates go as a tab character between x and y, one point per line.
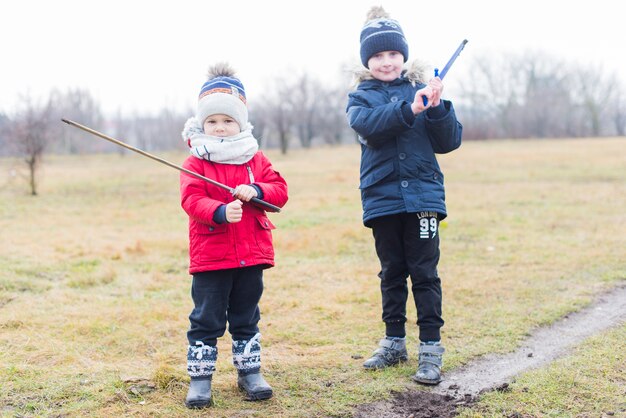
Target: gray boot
200	366
199	394
247	361
390	351
254	386
430	363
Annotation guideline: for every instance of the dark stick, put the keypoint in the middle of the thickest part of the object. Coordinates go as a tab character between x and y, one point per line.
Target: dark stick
167	163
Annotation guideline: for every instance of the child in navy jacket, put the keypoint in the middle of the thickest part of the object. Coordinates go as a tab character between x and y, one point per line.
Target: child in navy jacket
402	190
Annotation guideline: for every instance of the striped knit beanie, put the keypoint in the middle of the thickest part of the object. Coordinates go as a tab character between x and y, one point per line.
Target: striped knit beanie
381	33
223	93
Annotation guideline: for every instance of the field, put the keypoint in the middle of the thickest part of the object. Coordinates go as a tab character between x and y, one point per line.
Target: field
94	289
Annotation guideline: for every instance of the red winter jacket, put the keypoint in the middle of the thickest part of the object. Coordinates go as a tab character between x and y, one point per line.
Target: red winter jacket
215	246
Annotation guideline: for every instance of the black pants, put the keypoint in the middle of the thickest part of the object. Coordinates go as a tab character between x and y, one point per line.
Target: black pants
222	296
407	244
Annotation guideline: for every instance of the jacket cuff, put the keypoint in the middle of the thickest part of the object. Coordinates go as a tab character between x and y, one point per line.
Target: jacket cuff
437	112
407	113
259	192
219	216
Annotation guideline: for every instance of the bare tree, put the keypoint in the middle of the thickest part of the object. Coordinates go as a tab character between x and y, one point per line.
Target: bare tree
594	90
144	131
333	123
305	96
170	126
121	128
279	115
258	119
4	129
546	101
79	105
33	129
618	111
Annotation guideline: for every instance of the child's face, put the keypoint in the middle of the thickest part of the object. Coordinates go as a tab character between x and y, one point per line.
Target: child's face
220	125
386	65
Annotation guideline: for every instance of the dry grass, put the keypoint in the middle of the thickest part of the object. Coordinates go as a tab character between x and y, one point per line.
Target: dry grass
94	294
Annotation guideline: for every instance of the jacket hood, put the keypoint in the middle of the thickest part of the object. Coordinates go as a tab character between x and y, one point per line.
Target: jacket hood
415	72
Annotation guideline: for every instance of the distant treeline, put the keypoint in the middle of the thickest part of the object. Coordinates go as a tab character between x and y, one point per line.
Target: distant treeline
531	95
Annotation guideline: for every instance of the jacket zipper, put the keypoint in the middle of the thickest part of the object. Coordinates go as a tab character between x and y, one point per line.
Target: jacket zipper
250	174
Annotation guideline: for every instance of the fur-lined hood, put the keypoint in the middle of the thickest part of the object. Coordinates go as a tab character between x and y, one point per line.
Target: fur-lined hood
415	72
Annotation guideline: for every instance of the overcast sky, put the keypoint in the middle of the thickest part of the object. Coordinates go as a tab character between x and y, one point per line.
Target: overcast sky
144	55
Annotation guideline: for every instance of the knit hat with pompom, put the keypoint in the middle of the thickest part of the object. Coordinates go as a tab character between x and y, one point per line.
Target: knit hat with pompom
223	93
381	33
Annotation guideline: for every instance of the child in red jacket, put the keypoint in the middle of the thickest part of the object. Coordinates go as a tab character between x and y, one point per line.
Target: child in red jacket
230	239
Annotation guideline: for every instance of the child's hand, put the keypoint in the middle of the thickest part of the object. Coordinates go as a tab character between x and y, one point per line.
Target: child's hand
245	192
234	212
418	105
432	92
437	88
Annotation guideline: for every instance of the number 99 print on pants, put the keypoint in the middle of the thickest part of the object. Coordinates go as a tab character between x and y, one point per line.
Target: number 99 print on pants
429	224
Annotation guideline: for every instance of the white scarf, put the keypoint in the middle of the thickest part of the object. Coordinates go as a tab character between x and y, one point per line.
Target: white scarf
236	149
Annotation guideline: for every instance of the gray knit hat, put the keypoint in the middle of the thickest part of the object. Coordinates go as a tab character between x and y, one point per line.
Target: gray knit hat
381	33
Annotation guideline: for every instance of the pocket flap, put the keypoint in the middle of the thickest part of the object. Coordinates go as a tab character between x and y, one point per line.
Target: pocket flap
210	230
265	222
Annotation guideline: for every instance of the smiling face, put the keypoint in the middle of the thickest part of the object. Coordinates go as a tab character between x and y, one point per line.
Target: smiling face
386	65
220	125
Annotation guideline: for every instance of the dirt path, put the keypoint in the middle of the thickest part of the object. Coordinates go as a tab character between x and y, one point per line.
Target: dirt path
491	372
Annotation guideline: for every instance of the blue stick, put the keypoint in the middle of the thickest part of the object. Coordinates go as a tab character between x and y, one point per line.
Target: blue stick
447	67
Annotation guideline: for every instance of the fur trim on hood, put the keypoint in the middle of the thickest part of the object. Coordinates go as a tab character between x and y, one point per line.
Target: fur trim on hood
415	72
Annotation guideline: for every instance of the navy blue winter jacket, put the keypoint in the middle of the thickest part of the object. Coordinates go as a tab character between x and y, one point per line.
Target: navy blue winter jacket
399	170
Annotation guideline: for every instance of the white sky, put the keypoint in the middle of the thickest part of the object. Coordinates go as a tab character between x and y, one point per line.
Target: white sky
144	55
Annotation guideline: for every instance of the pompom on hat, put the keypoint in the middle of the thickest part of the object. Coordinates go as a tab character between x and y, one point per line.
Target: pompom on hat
222	93
381	33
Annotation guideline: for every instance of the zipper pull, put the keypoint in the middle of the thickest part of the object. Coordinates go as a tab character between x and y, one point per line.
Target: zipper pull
250	174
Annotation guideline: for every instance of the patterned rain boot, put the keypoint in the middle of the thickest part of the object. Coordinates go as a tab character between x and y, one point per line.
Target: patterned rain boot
430	362
390	351
247	361
200	366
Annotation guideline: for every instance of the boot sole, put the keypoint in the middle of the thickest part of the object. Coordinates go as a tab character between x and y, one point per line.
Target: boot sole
199	405
257	396
402	360
426	381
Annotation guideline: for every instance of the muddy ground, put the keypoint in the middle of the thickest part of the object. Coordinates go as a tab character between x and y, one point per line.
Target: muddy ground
495	372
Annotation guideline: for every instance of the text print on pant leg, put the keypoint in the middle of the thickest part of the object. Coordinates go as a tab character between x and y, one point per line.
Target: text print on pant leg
428	224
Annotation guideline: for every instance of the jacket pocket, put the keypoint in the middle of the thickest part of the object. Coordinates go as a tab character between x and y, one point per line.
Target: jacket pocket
263	235
212	241
376	175
431	179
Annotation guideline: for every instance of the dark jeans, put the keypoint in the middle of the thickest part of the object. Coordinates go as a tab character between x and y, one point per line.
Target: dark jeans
222	296
407	244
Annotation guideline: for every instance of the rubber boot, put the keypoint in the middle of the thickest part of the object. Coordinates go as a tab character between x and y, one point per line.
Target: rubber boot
200	367
254	386
430	363
247	361
390	351
199	394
